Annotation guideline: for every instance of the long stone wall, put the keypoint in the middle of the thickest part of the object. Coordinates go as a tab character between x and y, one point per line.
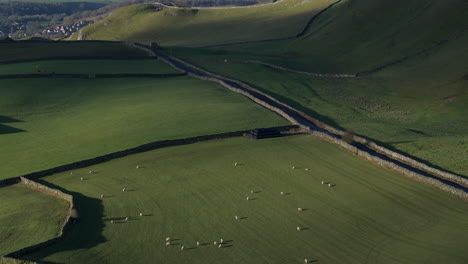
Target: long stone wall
27	180
130	151
89	76
295	117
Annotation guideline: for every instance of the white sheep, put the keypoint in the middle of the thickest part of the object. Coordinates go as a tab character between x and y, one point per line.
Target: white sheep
220	246
282	193
124	189
198	243
141	214
112	221
329	185
299	209
235	163
251	191
168	243
323	182
298	228
81	178
168	239
127	218
247	198
236	217
91	172
293	167
102	195
182	248
221	240
71	173
138	166
307	169
306	261
215	243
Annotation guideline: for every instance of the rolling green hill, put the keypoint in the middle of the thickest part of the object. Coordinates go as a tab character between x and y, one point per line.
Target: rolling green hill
193	193
416	106
201	27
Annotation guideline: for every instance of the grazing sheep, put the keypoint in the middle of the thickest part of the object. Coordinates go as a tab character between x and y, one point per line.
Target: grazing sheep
299	209
91	172
141	214
247	198
293	167
221	240
198	243
102	195
235	163
182	248
306	261
282	193
329	185
127	218
71	173
168	239
81	178
124	189
220	246
323	182
306	169
112	221
236	217
138	166
251	191
215	243
298	228
168	243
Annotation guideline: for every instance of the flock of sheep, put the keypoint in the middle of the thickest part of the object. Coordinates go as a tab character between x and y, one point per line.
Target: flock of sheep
221	242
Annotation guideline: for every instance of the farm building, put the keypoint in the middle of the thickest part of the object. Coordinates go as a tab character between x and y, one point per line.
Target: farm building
260	133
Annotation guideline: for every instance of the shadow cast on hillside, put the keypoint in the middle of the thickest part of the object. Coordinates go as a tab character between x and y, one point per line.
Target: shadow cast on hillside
4	129
325	119
86	233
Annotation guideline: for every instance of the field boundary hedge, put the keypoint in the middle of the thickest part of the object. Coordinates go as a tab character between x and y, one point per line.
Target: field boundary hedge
314	125
77	58
65	225
90	76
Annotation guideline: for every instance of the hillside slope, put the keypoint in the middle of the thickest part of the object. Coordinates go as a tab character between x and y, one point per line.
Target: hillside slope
417	106
205	26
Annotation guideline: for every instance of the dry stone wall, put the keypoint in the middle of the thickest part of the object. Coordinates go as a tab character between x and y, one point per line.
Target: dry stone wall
285	111
13	256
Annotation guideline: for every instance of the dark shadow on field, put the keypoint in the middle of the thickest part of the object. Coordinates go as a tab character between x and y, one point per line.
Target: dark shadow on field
85	234
6	119
4	129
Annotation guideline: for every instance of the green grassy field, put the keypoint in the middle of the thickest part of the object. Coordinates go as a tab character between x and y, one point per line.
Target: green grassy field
88	66
200	27
48	122
192	193
45	49
27	217
418	107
